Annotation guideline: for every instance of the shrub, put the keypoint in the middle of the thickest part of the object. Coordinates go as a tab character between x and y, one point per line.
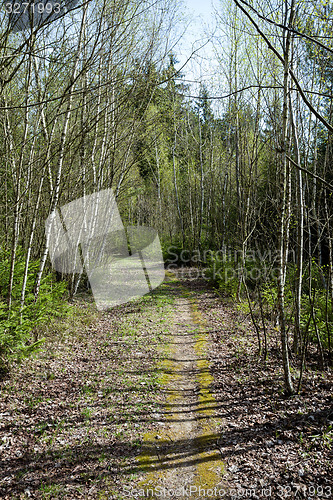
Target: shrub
222	273
19	325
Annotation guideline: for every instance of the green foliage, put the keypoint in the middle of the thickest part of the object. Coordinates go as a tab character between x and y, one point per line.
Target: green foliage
322	318
19	325
172	252
269	295
222	273
226	272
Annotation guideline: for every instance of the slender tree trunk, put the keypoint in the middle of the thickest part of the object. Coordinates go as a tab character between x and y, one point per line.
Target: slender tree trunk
201	183
284	222
175	177
63	140
300	234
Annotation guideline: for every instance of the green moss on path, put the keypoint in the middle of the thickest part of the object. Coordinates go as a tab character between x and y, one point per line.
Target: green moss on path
182	455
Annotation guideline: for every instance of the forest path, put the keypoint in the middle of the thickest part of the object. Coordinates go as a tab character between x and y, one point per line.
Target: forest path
182	458
122	403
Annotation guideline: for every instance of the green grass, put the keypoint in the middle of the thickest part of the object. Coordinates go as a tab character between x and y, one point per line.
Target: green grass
50	491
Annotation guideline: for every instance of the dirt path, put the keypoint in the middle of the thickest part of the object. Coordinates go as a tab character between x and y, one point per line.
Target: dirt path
122	404
73	418
182	459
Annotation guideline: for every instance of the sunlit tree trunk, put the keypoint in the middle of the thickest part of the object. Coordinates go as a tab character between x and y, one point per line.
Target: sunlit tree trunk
283	210
300	232
61	154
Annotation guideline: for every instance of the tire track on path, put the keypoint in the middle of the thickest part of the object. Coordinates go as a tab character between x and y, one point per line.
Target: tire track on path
182	458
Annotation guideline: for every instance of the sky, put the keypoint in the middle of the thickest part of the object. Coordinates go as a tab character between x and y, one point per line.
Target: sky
201	24
200	7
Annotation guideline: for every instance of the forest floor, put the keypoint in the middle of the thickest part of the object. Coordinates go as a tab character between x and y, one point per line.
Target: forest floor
165	398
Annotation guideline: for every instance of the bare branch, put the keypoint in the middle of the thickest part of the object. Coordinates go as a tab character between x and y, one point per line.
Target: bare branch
278	55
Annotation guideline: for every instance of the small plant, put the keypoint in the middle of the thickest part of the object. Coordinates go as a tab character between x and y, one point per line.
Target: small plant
328	437
51	490
20	325
86	413
325	439
41	428
34	402
87	390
